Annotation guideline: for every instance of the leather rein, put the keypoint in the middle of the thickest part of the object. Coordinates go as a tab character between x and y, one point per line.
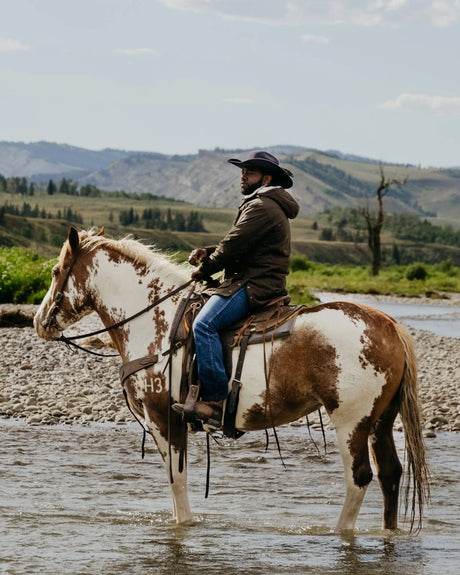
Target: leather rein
70	341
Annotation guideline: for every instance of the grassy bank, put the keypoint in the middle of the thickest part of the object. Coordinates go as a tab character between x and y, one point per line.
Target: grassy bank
25	277
409	281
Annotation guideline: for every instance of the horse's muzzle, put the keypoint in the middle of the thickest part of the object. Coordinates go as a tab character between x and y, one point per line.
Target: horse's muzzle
46	327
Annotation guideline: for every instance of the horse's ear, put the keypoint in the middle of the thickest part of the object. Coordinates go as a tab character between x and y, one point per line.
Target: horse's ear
101	231
73	238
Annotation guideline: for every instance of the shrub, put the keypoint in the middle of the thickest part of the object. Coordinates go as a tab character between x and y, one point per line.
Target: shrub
326	235
447	267
301	295
299	263
416	272
24	276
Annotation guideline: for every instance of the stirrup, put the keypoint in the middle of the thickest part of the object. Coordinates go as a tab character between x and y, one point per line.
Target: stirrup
213	419
209	421
187	408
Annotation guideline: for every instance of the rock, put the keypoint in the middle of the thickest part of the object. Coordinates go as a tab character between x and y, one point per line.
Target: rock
34	420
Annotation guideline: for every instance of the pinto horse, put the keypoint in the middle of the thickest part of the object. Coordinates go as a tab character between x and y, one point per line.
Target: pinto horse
354	360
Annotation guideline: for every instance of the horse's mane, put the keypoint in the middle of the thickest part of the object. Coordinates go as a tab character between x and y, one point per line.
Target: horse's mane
143	254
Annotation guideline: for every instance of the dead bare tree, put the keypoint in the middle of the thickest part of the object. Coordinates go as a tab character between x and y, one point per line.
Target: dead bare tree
375	220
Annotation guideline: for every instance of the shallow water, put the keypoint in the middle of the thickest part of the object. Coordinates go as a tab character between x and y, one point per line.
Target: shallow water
443	320
80	500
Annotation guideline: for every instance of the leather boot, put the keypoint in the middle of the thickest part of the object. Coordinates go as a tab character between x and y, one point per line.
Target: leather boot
210	412
187	408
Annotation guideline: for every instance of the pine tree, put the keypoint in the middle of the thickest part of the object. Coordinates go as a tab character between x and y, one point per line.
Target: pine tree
51	188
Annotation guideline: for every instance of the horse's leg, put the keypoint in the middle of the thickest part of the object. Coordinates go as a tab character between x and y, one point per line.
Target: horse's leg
179	492
388	466
353	445
177	480
152	412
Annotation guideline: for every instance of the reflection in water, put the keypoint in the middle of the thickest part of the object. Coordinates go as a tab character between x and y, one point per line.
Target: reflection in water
391	555
80	500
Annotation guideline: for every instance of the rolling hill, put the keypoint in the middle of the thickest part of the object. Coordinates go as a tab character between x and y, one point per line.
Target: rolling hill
322	179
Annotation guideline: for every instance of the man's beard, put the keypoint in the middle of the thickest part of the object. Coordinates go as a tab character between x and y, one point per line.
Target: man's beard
252	188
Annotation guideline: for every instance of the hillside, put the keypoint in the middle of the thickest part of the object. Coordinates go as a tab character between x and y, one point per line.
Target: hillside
322	179
41	160
41	222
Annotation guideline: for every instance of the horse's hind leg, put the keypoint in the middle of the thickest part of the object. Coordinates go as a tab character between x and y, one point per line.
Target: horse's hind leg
353	445
388	466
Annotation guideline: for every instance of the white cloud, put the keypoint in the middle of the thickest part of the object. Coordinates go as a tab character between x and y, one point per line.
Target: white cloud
443	13
312	39
137	51
437	13
10	45
187	4
239	101
439	105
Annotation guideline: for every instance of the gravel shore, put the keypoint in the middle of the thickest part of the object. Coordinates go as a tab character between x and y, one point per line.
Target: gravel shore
46	383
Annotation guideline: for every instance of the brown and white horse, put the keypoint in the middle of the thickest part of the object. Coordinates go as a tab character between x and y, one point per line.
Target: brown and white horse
352	359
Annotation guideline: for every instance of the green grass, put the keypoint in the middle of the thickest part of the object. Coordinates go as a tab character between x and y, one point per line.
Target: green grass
394	280
24	276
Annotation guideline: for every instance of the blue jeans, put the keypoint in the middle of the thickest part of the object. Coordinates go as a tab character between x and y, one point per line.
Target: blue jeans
218	313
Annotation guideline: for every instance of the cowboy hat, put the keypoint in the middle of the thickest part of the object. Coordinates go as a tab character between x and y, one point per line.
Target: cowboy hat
269	165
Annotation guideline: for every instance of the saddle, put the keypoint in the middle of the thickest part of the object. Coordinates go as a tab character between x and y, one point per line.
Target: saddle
275	320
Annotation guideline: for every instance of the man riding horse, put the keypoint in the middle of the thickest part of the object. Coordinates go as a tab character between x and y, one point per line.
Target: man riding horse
255	258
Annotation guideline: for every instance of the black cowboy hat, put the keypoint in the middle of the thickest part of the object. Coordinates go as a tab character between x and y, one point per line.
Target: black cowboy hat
269	165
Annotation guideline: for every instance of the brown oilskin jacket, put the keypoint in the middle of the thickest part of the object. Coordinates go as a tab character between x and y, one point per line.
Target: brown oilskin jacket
255	252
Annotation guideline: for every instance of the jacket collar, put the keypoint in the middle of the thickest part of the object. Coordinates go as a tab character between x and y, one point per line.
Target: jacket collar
261	190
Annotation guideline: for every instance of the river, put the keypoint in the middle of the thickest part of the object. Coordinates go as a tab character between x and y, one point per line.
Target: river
79	500
440	319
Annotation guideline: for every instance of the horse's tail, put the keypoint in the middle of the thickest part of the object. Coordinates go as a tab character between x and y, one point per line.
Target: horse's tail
410	413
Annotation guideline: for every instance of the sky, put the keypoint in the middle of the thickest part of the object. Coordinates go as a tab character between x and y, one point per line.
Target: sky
375	78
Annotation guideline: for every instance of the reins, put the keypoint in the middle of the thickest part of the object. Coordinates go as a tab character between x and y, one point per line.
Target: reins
71	340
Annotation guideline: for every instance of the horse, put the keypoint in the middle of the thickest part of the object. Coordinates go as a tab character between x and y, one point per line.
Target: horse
355	361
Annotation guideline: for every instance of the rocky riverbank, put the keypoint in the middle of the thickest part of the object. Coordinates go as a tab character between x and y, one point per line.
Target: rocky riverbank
47	383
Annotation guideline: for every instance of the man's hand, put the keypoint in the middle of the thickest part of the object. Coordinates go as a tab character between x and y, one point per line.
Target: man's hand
197	256
197	275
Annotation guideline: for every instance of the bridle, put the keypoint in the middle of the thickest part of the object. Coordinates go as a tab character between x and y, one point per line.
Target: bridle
141	363
50	320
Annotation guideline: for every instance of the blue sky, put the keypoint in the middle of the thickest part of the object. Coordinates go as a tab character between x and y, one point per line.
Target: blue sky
378	78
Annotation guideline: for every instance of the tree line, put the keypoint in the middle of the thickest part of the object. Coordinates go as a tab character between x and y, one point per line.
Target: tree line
27	211
347	224
20	185
154	218
66	186
411	227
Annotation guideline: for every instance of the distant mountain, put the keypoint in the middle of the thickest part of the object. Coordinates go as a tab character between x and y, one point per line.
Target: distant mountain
46	159
322	179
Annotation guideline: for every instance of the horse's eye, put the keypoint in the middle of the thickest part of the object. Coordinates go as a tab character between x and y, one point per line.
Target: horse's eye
55	272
